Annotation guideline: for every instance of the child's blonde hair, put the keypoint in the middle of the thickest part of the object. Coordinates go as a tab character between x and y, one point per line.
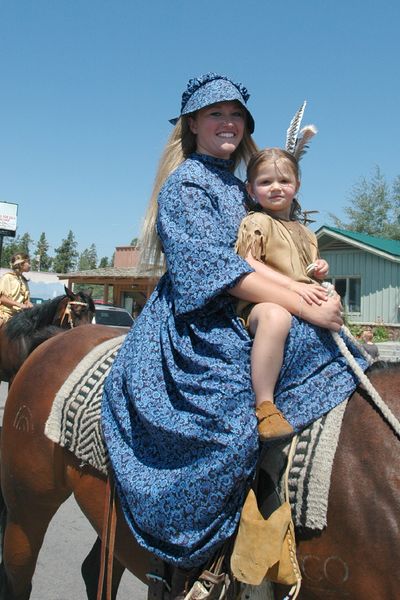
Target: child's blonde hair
274	155
181	143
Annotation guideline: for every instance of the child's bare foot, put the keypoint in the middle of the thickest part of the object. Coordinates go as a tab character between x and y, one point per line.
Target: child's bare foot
272	425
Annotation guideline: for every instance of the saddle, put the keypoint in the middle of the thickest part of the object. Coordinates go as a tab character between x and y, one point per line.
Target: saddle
264	547
213	582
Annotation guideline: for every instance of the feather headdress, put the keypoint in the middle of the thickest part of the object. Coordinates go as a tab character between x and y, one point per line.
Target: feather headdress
297	143
294	128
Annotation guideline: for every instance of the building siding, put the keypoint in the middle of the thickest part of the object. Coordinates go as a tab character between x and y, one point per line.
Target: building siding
380	283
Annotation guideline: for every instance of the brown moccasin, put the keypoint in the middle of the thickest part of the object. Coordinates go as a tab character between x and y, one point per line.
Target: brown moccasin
272	425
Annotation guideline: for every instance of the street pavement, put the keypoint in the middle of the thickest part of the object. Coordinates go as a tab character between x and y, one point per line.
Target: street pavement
67	542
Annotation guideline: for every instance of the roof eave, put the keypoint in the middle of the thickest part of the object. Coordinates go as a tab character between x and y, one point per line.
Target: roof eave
343	238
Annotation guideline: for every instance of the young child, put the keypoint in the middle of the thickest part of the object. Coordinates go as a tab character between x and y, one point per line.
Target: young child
278	246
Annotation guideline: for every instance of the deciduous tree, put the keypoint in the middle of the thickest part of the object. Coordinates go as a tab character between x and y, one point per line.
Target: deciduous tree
374	207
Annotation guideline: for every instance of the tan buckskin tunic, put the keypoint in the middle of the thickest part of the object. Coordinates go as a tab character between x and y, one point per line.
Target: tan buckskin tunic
16	288
286	246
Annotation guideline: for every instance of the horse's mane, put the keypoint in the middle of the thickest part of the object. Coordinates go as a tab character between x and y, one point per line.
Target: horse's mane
27	322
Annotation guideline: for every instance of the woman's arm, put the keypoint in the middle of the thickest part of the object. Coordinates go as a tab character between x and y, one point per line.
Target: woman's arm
253	287
311	292
198	247
6	301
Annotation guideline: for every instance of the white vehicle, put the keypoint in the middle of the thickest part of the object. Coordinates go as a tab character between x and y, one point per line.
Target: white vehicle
114	316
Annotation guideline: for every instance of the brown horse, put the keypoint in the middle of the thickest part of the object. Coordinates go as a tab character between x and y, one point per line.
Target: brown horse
356	557
29	328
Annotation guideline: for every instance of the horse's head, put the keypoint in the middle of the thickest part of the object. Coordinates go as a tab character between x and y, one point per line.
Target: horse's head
78	309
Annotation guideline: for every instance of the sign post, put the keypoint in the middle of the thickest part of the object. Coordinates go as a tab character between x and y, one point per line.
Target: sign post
8	222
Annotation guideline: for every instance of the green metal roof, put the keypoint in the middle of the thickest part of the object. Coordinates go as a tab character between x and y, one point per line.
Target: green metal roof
389	246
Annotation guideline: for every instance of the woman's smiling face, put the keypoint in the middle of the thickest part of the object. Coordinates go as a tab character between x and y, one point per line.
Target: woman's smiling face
219	128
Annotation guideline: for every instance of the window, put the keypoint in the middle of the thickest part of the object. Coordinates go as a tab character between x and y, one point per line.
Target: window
349	289
116	317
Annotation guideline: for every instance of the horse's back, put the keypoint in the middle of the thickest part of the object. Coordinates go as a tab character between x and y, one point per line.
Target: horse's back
32	393
356	555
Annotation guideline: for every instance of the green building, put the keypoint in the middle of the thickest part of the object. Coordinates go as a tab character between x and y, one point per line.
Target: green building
366	273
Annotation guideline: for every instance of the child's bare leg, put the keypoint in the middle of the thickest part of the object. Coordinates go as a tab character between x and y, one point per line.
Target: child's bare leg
269	324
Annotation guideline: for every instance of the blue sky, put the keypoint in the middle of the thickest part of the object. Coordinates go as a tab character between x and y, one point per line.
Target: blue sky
87	87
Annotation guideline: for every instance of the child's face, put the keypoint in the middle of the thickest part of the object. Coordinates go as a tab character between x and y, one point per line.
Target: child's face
274	187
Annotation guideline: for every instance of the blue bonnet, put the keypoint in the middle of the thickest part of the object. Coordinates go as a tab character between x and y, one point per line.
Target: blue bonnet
210	89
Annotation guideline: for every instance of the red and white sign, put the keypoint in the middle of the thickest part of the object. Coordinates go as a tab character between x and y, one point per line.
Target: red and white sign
8	218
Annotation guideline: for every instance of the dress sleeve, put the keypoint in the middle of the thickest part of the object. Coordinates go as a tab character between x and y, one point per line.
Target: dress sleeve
198	246
253	236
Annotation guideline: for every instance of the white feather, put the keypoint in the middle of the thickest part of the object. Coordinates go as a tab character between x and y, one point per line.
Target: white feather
294	128
304	137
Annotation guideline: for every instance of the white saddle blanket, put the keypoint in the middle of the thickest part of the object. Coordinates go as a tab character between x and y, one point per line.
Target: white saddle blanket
74	420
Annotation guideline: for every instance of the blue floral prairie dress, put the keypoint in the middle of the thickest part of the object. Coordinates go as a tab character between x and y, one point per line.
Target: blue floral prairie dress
178	408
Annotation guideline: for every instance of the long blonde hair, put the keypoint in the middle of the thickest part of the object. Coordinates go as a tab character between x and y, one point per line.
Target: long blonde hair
181	143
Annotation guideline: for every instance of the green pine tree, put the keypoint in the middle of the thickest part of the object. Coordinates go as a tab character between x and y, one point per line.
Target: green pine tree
14	246
41	261
104	262
88	259
25	243
66	255
10	247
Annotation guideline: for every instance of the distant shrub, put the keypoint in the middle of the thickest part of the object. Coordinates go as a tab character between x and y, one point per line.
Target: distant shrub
381	334
356	330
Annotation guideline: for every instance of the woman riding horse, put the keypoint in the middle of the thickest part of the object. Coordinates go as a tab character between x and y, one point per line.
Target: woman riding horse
178	408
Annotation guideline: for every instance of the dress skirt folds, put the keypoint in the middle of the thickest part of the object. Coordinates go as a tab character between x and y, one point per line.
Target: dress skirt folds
178	408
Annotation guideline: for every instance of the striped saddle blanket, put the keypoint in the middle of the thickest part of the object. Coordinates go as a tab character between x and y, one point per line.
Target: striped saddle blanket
74	420
74	423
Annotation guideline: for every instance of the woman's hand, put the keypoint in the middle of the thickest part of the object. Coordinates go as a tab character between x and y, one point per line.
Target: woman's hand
252	288
313	293
27	304
327	315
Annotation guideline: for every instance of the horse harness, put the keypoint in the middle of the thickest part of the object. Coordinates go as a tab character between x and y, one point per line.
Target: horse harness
107	541
67	313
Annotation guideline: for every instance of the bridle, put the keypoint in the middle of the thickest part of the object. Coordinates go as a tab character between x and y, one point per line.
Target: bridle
67	313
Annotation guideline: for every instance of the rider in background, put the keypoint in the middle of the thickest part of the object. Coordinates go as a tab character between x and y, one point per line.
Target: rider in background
14	290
